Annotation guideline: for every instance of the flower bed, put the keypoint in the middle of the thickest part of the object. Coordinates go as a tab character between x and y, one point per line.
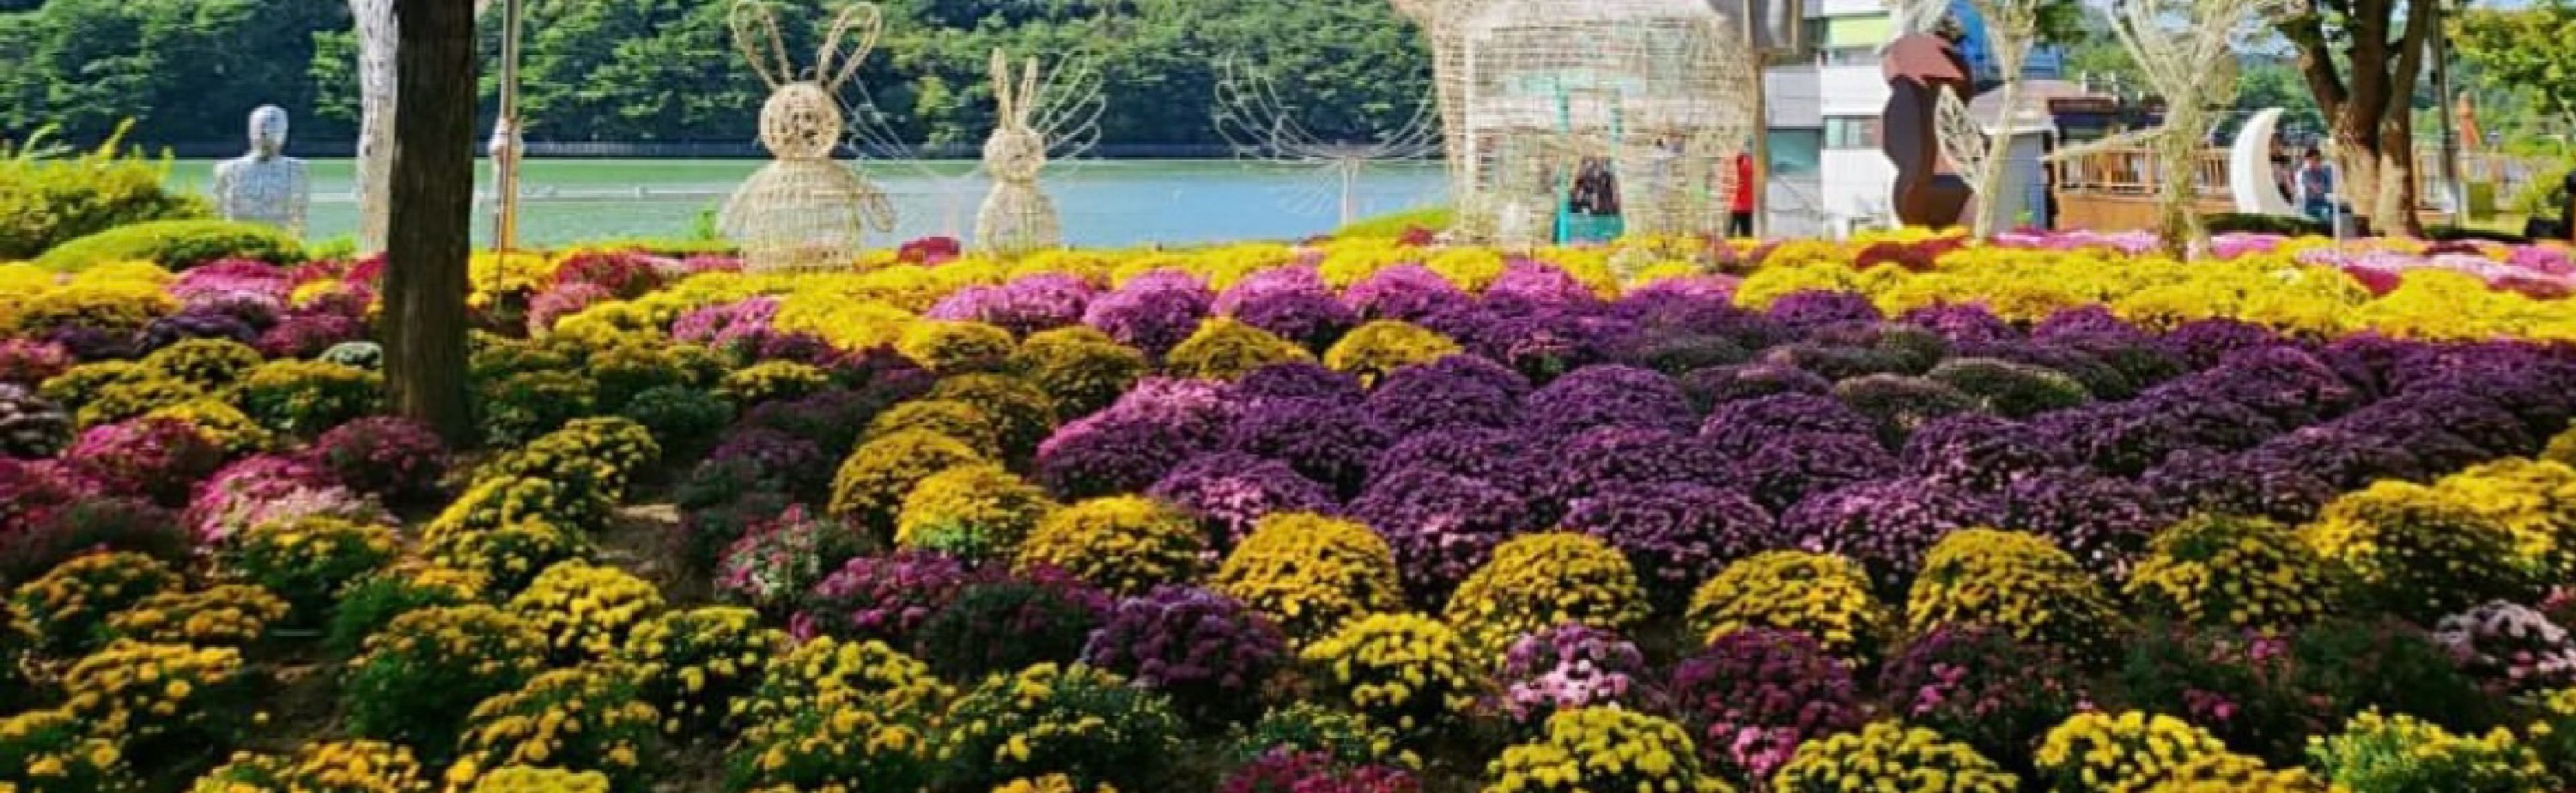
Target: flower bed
2046	513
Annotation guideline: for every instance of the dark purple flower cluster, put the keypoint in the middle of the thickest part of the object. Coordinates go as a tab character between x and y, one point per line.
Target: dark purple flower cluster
1788	466
395	459
1980	453
1206	651
1608	396
1571	666
1888	524
1755	694
1291	302
1979	685
1298	380
1616	456
1720	385
1283	771
1455	391
1408	292
1676	535
1442	526
1229	492
1805	311
1153	313
884	598
158	459
1740	426
1133	443
2103	521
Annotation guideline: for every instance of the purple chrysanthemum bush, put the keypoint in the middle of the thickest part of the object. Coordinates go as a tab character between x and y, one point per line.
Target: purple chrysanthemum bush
1334	517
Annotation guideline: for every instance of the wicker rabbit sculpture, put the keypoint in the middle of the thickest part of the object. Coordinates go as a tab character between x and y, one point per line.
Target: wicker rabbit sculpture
804	210
1017	217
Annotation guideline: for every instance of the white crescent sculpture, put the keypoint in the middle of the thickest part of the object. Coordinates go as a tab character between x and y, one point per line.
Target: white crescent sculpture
2249	168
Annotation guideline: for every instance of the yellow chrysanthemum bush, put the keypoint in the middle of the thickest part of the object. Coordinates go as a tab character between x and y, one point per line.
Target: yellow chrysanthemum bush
772	380
2232	572
1305	727
1539	581
2131	752
2562	447
1887	755
1075	720
2016	582
532	779
590	718
1405	671
507	558
955	347
1051	783
2552	732
2232	773
1372	350
64	608
209	364
1123	544
1470	268
1309	573
1224	349
322	767
833	715
496	501
167	695
418	678
307	560
1824	596
694	664
871	485
978	511
1080	369
373	601
222	425
2401	753
1603	748
2533	499
307	397
51	751
2419	553
945	417
229	615
586	610
1021	412
598	455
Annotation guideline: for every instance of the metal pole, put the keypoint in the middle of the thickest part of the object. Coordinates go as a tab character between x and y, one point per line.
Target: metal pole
506	148
1761	149
2459	194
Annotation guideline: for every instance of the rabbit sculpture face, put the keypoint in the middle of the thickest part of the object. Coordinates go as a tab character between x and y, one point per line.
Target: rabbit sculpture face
1015	155
1017	151
802	119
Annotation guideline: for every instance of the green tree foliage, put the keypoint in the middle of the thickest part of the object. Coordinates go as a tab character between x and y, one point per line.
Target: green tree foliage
2524	48
667	70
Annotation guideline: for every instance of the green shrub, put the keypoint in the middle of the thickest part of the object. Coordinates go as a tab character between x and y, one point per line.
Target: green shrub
1393	225
175	245
2540	196
2290	225
307	397
421	675
46	201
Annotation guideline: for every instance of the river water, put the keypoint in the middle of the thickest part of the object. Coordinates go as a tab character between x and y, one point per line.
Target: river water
1103	203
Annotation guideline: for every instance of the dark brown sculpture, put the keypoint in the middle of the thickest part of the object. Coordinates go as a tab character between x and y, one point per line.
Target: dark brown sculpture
1917	67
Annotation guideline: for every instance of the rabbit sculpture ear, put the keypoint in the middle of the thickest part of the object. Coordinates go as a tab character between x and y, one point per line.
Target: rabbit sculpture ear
847	42
755	32
1004	114
1027	101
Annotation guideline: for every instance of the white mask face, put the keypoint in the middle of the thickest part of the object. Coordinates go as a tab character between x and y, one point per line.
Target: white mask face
268	129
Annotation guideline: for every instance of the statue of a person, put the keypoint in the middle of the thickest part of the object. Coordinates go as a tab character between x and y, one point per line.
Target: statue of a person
264	186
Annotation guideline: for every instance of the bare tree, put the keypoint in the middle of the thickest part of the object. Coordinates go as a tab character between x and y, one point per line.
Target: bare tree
2362	68
2187	51
428	241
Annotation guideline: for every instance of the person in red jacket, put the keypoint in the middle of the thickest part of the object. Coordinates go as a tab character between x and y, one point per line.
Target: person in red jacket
1739	219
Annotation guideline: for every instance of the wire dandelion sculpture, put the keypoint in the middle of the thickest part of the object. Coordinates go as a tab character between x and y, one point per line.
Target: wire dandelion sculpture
1656	93
1036	121
2185	51
1261	127
804	210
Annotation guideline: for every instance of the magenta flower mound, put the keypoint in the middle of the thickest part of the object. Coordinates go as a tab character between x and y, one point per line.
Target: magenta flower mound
1607	457
32	491
1453	392
1001	624
1537	285
1570	666
1297	380
627	274
1327	441
1963	323
1407	292
1229	492
233	276
881	597
723	324
1979	685
2344	459
1742	426
2102	521
1026	305
1291	302
1284	771
392	458
1804	311
558	302
1500	456
1979	452
1790	465
1298	278
307	334
29	362
1608	396
1719	385
1206	651
1150	313
1676	535
1441	526
1112	452
2245	483
1886	525
158	459
216	506
1755	694
767	455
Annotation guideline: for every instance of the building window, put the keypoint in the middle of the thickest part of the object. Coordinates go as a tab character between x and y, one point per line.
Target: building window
1796	151
1851	132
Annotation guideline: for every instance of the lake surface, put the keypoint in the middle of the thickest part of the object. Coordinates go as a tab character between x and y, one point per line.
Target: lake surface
1103	203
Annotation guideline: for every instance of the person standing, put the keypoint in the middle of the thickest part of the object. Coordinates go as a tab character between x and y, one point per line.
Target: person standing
2316	187
1739	216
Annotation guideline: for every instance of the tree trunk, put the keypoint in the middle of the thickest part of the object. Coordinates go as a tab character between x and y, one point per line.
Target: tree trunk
427	242
2369	111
